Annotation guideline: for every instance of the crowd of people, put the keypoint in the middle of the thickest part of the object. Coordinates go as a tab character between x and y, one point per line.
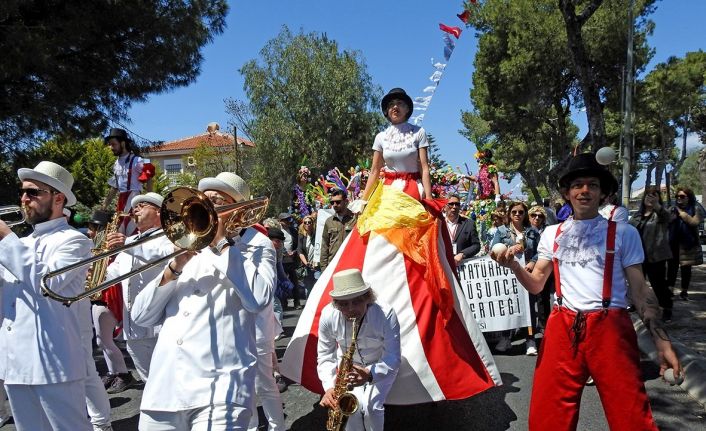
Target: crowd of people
383	316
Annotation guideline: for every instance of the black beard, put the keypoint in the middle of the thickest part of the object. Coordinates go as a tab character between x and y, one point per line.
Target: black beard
39	216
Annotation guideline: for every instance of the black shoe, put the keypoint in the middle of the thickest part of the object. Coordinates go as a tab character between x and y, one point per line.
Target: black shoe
683	295
108	380
121	383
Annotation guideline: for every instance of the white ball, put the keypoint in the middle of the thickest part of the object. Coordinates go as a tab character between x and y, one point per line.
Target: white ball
605	156
671	379
498	249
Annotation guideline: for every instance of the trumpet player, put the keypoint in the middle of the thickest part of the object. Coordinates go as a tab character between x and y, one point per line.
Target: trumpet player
41	357
140	340
207	303
376	358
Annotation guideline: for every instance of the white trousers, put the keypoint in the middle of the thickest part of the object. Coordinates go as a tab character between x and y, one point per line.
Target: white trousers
4	404
96	398
141	353
104	321
220	417
51	407
370	415
268	393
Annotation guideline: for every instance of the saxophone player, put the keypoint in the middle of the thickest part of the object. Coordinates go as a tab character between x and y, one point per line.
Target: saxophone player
375	357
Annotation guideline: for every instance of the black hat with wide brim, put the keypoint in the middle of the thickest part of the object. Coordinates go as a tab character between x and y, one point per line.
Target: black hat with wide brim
586	165
400	94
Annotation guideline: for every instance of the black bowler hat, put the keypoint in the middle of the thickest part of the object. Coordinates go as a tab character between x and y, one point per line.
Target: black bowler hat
101	218
275	233
397	93
119	134
586	165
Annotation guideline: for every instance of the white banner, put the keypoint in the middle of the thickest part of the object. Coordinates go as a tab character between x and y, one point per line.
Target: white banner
498	301
321	216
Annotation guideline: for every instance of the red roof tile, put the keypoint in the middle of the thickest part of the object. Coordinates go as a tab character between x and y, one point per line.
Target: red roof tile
215	139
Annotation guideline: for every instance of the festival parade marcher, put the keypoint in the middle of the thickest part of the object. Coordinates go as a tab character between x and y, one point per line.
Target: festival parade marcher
139	340
398	246
207	303
42	359
355	324
589	332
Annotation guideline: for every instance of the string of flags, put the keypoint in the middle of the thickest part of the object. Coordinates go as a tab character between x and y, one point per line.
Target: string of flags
421	103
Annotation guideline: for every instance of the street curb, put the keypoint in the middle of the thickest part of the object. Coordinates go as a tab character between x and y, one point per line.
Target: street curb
693	364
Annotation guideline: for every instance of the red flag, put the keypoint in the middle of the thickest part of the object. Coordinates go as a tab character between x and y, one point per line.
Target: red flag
464	16
456	31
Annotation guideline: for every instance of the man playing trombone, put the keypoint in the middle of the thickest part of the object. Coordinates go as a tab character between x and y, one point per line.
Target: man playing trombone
140	340
41	357
207	303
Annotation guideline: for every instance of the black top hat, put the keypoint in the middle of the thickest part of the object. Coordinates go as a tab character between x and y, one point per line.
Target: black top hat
275	233
101	218
586	165
400	94
117	133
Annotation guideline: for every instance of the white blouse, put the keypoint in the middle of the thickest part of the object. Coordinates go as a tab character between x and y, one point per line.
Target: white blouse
399	144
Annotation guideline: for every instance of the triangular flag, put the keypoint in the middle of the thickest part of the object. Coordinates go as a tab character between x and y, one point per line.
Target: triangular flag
464	16
456	31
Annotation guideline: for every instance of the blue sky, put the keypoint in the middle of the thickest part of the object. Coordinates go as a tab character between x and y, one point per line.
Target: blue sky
397	40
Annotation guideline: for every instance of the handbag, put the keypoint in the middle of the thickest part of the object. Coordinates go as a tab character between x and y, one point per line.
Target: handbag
302	272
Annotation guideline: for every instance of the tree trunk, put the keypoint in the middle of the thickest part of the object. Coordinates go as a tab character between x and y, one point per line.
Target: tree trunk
531	183
584	68
648	174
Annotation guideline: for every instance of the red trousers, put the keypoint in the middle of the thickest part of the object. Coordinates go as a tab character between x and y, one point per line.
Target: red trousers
607	351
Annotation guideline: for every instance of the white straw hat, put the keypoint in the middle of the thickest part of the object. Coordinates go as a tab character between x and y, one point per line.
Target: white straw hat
52	175
151	198
228	183
348	284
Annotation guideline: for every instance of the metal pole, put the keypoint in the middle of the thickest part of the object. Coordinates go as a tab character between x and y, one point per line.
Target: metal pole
627	123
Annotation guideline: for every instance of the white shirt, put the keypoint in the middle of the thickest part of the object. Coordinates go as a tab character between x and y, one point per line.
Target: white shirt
378	343
206	352
129	260
121	167
620	214
399	144
40	339
582	284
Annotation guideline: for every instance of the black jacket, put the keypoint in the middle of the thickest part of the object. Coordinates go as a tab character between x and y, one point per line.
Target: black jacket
466	238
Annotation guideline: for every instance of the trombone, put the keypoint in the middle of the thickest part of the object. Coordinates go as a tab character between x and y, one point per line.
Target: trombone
12	209
190	222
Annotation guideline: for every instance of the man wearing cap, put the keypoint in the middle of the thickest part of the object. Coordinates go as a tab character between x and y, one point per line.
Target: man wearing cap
377	357
41	357
207	303
589	332
140	340
336	228
290	255
127	178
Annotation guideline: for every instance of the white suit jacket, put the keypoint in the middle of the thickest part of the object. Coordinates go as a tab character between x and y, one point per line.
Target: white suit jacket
206	352
40	339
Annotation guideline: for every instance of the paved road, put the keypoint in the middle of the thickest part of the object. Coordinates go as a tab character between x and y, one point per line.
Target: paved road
502	408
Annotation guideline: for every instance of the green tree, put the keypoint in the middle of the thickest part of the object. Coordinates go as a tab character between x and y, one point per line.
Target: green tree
71	67
306	99
690	175
435	160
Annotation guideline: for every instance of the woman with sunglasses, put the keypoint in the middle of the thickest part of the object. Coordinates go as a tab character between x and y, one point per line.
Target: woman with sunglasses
538	218
306	248
652	221
402	247
521	238
684	239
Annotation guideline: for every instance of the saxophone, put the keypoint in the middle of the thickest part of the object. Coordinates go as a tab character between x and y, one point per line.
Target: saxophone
347	403
97	272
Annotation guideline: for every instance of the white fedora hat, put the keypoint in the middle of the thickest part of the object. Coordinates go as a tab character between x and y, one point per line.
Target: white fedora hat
348	284
151	198
228	183
52	175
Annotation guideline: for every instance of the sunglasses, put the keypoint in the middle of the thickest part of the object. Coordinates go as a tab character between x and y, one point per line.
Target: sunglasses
517	212
336	202
33	193
453	204
537	215
308	222
682	196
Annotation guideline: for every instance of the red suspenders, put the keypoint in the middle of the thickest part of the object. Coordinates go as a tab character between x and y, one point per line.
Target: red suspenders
608	270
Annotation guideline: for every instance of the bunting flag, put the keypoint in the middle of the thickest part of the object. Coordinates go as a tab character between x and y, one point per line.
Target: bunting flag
463	16
455	31
449	46
429	89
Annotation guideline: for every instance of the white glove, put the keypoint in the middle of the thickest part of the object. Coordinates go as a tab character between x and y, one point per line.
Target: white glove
497	199
357	206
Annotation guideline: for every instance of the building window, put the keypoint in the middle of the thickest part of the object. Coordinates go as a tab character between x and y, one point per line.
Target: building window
173	169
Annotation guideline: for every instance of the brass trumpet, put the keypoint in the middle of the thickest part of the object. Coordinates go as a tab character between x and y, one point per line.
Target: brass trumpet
12	209
190	222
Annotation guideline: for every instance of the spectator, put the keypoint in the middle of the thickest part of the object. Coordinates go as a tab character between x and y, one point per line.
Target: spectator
336	228
290	256
464	238
306	250
684	239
